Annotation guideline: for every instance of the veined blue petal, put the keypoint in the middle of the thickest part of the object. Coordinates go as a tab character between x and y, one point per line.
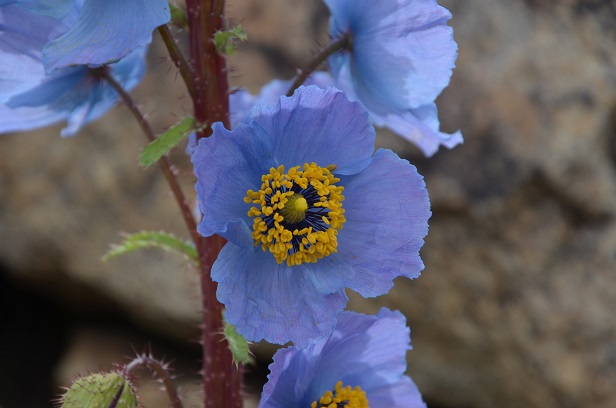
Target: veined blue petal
227	165
105	32
305	130
364	351
401	58
51	8
387	209
269	301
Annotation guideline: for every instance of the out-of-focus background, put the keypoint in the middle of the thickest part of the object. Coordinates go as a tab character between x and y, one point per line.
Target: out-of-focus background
517	304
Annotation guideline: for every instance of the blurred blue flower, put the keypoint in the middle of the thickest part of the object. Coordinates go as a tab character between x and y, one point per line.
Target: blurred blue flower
360	364
30	98
401	54
300	180
104	31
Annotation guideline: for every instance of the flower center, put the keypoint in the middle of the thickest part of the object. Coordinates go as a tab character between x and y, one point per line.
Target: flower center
342	397
298	213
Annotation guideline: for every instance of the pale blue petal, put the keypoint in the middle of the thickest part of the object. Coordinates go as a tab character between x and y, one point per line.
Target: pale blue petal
27	118
227	165
291	377
70	94
242	102
321	126
387	212
274	302
402	57
22	37
365	351
51	8
105	32
421	127
403	51
402	393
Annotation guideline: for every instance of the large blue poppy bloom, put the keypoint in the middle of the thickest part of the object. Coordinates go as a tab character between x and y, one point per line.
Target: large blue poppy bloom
301	181
362	362
30	98
401	56
104	31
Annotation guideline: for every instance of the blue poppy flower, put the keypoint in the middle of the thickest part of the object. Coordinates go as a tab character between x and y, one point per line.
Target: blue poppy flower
30	98
360	364
308	209
400	58
104	31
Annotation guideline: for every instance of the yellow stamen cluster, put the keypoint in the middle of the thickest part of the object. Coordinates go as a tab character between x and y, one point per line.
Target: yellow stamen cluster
298	214
342	397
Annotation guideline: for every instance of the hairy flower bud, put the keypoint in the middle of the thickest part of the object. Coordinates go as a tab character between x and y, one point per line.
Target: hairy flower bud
105	390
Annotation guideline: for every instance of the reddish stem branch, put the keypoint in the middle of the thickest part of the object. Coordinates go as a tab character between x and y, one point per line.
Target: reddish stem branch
178	59
341	44
161	370
163	162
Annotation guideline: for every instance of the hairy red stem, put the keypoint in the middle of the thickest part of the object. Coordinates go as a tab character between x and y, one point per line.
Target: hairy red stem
222	379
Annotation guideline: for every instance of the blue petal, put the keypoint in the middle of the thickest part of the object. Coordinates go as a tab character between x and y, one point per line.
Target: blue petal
387	212
321	126
403	51
365	351
420	126
70	94
291	376
369	351
22	37
51	8
105	32
241	102
402	57
274	302
402	393
227	165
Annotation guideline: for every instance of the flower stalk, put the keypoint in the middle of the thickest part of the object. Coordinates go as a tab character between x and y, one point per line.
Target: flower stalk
161	370
222	379
178	59
343	43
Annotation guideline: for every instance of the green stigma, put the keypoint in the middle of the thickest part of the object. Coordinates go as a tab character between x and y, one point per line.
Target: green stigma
294	210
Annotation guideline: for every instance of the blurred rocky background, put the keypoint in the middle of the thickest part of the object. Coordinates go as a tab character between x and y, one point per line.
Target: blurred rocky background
517	305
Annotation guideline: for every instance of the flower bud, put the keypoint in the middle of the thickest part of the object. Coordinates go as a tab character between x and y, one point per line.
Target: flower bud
105	390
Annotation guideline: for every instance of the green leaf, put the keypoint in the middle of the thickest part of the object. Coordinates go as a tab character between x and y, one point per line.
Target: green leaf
238	345
165	142
151	239
225	40
178	16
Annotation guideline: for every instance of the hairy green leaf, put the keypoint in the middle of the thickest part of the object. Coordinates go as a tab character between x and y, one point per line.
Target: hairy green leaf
151	239
167	141
178	16
225	40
